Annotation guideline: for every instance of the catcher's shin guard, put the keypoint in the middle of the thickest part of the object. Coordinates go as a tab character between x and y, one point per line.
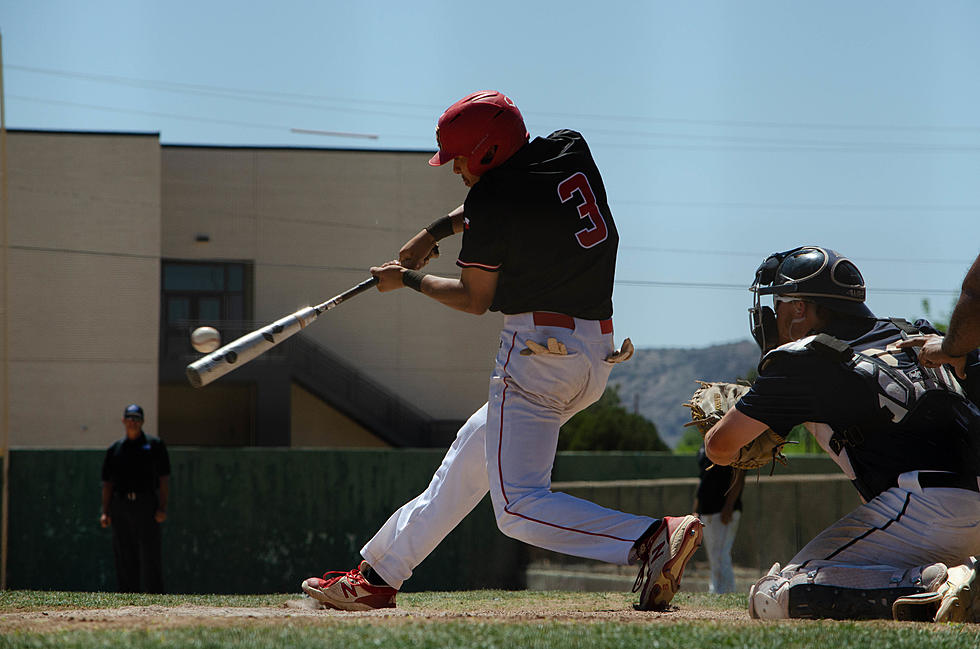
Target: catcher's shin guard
838	592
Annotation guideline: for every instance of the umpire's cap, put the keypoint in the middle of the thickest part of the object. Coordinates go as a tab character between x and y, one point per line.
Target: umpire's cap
822	276
133	411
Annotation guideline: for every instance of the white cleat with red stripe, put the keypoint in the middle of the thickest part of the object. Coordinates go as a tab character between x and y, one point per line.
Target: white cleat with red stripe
349	591
663	556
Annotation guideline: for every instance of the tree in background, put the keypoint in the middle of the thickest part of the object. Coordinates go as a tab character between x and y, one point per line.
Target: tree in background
607	426
939	322
689	442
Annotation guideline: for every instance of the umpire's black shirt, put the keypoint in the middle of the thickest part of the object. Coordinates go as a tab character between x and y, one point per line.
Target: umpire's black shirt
136	464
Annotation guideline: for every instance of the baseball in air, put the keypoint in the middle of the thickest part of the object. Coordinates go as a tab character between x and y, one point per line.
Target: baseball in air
205	339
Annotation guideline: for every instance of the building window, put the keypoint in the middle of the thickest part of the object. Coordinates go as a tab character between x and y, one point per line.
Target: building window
196	293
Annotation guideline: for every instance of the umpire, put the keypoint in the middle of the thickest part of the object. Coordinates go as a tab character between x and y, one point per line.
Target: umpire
135	488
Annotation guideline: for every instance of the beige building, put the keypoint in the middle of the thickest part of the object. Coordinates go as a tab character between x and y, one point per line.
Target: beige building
118	247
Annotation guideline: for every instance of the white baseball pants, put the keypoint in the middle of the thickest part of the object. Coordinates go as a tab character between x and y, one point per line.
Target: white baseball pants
903	527
508	448
882	544
718	541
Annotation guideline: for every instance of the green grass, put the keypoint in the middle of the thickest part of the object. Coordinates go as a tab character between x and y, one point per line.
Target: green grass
418	631
484	635
35	600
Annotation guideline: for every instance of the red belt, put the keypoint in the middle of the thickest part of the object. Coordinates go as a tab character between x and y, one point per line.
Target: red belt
548	319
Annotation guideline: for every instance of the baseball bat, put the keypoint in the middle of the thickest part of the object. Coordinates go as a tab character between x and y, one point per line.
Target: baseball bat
242	350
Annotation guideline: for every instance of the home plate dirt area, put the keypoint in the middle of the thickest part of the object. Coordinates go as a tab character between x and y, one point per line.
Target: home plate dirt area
582	607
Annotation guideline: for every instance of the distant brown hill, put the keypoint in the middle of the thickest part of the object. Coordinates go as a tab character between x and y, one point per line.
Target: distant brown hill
656	382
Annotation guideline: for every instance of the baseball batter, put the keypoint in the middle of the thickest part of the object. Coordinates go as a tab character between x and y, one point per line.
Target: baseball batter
539	245
906	435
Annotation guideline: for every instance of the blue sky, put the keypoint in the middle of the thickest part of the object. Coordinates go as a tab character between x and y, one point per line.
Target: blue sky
724	130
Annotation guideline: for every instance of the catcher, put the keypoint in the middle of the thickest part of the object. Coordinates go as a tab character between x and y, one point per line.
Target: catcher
907	436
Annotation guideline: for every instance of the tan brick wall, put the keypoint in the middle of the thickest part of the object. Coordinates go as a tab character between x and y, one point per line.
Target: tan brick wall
83	282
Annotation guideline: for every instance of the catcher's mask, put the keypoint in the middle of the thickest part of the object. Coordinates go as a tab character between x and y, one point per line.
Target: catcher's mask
485	126
807	273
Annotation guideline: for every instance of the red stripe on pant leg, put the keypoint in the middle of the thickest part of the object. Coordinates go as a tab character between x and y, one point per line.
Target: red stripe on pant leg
500	436
500	467
567	529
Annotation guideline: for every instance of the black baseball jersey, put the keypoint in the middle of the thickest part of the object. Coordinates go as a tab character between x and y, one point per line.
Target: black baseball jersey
873	439
541	220
136	464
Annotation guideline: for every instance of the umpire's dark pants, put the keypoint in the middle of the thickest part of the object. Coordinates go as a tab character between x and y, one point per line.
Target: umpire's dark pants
136	543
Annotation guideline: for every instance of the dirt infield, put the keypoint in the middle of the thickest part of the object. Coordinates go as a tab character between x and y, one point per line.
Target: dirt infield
299	611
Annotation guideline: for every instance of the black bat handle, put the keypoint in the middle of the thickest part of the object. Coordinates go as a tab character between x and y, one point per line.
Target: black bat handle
349	293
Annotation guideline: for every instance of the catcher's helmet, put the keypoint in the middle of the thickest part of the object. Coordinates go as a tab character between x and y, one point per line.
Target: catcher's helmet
820	275
485	126
811	274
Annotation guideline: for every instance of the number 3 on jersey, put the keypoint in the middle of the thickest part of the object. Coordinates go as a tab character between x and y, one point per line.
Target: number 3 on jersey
597	232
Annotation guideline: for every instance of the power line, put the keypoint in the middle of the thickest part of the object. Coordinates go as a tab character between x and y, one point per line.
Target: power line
829	207
726	144
226	122
621	282
276	96
832	147
762	255
744	287
240	94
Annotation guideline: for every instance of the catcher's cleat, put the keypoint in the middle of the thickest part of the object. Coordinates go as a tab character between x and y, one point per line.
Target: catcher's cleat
766	600
350	591
663	555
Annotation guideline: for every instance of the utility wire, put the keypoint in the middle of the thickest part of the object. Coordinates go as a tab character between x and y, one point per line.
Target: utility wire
624	282
830	207
762	255
724	143
226	122
276	97
744	287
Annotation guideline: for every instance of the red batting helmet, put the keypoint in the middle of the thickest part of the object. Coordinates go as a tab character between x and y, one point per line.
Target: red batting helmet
486	127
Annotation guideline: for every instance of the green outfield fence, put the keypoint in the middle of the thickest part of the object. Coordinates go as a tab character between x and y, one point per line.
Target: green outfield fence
259	520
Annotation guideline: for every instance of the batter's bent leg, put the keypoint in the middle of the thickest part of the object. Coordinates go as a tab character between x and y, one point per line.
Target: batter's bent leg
522	436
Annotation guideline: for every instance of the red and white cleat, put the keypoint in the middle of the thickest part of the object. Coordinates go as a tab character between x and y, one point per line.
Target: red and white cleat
349	591
663	556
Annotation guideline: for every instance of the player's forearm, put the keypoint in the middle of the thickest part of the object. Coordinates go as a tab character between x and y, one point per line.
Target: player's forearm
735	490
452	293
443	227
457	216
106	496
164	493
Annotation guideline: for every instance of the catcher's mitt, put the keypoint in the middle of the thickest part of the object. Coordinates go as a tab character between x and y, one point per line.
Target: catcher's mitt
709	404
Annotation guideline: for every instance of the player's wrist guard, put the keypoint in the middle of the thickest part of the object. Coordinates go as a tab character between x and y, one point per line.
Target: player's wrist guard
441	228
413	279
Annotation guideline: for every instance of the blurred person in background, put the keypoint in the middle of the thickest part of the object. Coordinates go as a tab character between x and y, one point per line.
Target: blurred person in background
135	491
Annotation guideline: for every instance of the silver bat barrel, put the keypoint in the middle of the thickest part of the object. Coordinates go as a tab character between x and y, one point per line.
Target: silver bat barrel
242	350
